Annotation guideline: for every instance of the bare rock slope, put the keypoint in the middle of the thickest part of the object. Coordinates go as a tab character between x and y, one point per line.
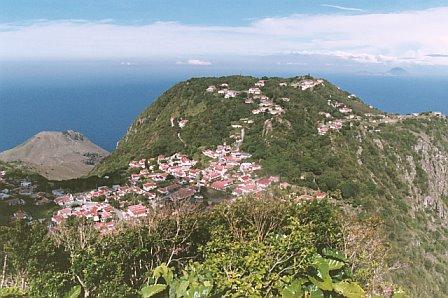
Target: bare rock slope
57	155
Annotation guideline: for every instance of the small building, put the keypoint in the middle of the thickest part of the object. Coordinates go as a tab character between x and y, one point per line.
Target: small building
211	88
183	194
15	202
137	211
221	184
254	90
183	123
149	186
25	183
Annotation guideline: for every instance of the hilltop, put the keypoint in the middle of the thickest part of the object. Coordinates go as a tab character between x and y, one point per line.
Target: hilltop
57	155
312	134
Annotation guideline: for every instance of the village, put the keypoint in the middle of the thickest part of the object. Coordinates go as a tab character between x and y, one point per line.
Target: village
155	182
163	180
173	179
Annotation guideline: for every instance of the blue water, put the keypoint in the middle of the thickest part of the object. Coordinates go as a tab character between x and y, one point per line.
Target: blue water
398	94
102	104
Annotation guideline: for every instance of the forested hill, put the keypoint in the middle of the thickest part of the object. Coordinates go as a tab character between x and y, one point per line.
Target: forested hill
311	133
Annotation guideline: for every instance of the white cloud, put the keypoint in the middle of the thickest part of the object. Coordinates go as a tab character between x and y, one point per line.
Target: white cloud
195	62
401	37
342	7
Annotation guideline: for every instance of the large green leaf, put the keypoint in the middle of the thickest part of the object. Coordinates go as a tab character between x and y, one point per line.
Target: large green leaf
349	289
165	272
150	291
199	291
314	292
323	268
181	288
334	265
74	292
293	290
334	254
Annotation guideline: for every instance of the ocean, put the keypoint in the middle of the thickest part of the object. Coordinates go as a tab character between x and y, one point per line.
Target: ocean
102	104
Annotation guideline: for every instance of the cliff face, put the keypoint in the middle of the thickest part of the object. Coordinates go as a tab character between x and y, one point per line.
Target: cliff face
312	134
408	162
434	162
57	155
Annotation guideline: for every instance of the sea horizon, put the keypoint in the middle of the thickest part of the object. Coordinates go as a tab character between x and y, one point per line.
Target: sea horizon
102	104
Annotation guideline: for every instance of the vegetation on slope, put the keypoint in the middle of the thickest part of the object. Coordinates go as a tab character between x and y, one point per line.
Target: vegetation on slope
253	247
384	170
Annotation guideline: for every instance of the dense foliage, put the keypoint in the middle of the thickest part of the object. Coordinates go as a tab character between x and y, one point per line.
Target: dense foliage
251	247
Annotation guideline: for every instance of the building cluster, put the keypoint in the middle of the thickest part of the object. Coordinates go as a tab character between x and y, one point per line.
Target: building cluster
304	84
254	94
223	90
265	104
97	212
16	192
329	123
229	170
102	213
165	179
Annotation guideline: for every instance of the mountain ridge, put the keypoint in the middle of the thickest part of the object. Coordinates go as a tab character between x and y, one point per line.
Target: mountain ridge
385	165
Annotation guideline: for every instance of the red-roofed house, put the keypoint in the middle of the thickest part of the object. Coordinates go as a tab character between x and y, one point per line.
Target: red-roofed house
149	186
221	184
320	195
264	182
57	219
134	164
63	200
137	210
159	176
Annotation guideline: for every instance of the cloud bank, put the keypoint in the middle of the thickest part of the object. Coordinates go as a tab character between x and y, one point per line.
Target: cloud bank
196	62
402	37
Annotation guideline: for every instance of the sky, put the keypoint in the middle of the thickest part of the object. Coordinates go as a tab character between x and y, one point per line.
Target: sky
348	35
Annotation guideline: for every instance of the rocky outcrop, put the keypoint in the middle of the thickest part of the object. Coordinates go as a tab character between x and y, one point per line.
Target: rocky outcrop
434	163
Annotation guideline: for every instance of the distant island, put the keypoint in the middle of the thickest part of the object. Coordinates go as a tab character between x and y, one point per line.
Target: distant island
398	71
395	71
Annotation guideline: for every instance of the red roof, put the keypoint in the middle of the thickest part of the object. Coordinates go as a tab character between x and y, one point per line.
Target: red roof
264	182
57	218
137	210
221	184
320	195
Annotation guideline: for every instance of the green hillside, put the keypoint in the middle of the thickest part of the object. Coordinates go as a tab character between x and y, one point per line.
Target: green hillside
383	165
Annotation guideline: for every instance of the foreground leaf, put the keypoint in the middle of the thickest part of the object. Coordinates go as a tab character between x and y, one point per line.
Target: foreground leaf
349	289
150	291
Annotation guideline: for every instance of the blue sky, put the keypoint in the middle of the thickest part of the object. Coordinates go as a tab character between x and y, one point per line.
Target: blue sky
348	34
216	12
